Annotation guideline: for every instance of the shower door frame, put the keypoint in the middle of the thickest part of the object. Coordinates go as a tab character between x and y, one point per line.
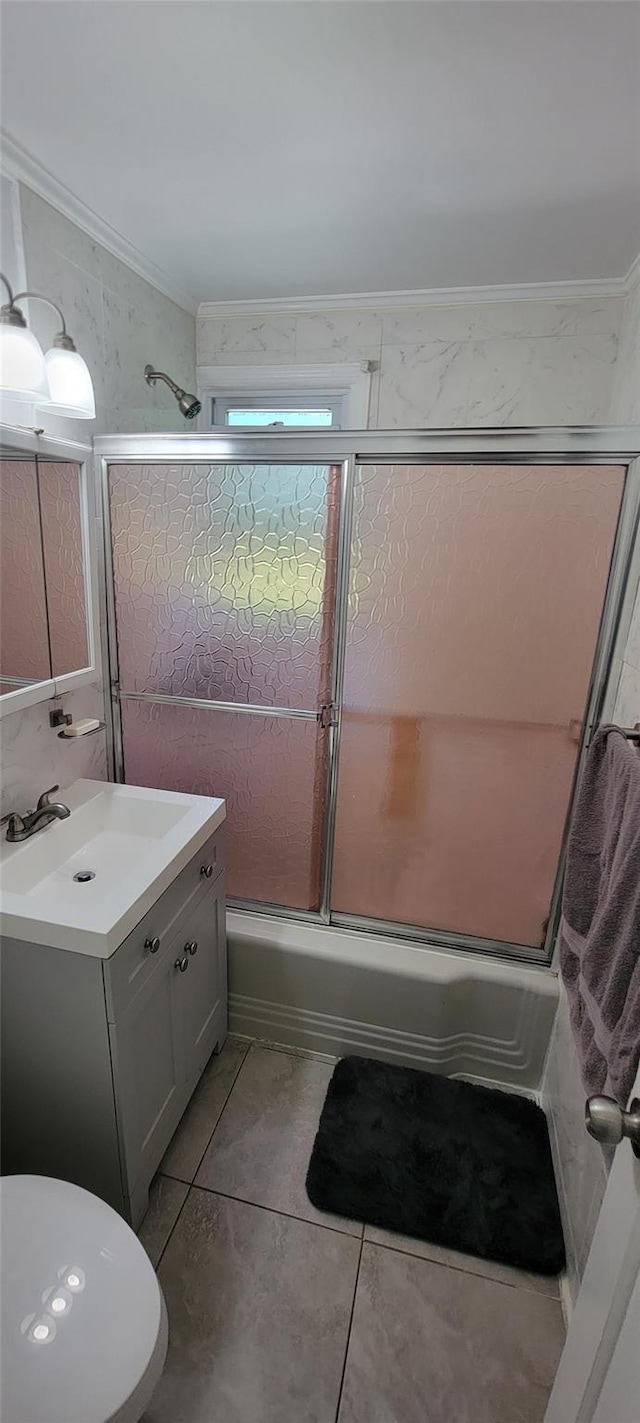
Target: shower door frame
347	449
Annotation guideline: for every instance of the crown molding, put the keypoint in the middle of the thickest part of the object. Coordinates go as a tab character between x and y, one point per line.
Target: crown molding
19	164
428	296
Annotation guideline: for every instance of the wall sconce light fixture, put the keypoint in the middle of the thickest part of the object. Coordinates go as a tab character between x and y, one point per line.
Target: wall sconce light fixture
59	383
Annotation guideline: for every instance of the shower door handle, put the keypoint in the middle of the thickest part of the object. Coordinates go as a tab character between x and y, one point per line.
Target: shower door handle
327	716
609	1123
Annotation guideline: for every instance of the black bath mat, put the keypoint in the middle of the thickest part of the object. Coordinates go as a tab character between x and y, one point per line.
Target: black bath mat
462	1166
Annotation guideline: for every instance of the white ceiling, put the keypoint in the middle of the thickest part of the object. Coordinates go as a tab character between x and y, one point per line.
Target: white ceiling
284	149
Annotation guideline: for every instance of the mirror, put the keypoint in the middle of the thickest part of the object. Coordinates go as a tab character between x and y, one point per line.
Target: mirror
43	597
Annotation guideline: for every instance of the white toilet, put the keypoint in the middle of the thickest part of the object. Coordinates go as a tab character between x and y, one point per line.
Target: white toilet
84	1324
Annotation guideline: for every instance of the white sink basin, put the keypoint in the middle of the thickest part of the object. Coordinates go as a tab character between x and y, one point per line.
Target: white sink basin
134	840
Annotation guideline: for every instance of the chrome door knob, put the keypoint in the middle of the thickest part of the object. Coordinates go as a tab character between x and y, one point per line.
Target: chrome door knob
609	1123
152	945
182	964
206	870
192	947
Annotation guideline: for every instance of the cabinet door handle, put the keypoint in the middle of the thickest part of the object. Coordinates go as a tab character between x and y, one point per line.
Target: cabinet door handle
152	945
182	964
191	947
206	870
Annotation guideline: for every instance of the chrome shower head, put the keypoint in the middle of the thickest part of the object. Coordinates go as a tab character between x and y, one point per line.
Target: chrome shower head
189	405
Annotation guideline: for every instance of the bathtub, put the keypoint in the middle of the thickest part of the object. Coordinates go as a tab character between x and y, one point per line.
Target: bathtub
338	991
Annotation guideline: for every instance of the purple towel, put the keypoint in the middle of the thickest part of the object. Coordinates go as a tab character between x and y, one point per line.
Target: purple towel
600	929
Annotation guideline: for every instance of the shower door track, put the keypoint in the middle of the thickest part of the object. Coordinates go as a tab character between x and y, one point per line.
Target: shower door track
347	448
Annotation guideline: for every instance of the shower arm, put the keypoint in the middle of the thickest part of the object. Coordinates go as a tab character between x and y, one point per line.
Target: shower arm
152	376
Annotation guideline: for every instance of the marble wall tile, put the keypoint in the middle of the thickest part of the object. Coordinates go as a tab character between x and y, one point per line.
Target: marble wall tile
134	338
412	326
625	402
627	708
118	321
217	337
32	756
43	227
425	385
541	381
345	335
581	317
632	649
501	319
531	362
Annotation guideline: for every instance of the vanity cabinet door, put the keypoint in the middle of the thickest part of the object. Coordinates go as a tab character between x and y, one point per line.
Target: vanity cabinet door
149	1071
201	991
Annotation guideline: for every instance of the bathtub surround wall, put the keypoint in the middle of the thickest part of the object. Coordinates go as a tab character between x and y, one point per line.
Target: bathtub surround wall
495	363
625	403
119	323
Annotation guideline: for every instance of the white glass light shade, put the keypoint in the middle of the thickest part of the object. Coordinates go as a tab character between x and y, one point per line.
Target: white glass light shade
70	386
23	373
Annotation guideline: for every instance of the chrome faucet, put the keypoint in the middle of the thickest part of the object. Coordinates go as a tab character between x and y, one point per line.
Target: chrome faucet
21	827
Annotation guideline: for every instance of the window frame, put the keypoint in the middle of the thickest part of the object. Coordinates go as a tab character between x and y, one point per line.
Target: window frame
345	386
280	400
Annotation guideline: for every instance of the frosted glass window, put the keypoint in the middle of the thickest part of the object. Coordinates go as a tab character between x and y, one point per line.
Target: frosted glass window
475	599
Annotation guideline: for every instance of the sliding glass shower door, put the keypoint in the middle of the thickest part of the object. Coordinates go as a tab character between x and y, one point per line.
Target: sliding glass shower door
224	594
383	663
475	599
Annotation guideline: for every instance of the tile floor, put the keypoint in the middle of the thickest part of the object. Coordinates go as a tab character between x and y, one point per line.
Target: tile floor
281	1314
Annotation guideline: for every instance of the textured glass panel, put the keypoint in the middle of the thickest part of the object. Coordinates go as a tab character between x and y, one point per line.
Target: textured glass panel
475	598
64	565
23	608
222	579
270	771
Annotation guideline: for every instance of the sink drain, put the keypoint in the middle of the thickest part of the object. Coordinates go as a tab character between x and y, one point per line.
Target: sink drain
83	875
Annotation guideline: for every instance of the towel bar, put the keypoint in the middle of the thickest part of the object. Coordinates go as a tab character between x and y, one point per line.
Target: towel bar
632	733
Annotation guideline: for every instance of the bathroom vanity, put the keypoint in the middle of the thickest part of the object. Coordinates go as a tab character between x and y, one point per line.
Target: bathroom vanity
114	984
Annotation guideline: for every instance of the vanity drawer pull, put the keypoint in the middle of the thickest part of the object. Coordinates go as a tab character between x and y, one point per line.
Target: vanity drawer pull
152	944
192	947
206	870
182	964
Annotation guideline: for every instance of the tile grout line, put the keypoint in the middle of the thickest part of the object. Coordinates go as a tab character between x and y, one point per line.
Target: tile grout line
463	1270
220	1116
273	1210
160	1257
189	1184
346	1350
